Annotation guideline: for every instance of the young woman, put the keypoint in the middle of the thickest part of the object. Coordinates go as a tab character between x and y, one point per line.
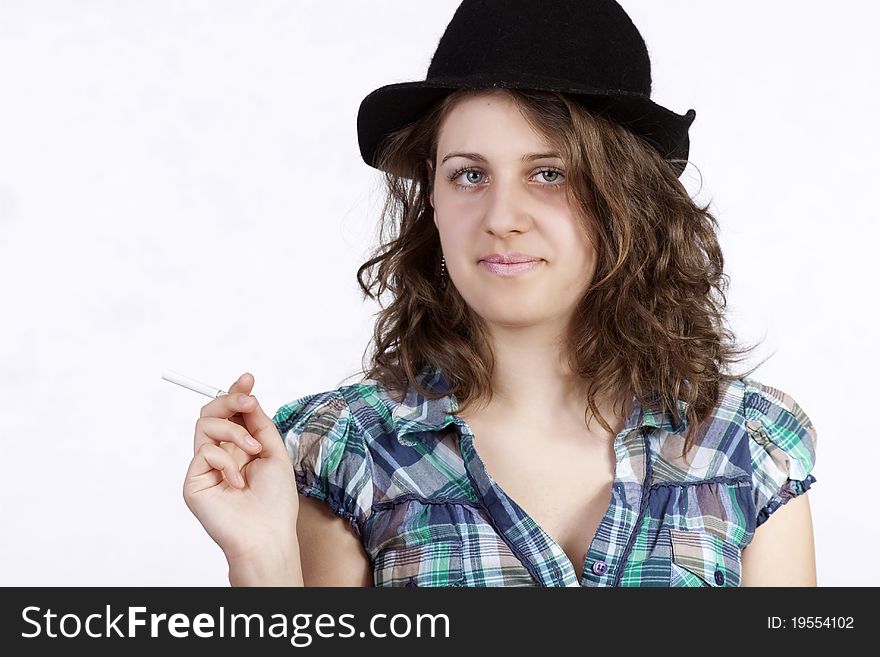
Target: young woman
549	400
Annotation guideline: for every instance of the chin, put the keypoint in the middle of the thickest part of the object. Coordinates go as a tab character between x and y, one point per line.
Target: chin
512	315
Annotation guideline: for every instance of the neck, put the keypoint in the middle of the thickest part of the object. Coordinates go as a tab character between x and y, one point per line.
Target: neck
532	383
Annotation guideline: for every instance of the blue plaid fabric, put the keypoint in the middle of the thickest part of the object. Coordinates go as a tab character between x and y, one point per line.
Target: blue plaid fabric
407	478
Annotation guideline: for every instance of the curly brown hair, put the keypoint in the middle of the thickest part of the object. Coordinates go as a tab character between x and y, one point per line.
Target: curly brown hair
651	322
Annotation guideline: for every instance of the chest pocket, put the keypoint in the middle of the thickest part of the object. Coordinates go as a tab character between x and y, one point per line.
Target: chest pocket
701	558
430	557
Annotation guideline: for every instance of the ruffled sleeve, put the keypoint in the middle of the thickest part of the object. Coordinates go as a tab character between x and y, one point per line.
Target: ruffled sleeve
330	460
782	445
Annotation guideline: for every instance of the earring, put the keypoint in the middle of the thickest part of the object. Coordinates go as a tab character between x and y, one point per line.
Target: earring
443	281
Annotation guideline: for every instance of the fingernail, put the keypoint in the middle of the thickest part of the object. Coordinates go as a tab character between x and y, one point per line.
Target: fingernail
250	441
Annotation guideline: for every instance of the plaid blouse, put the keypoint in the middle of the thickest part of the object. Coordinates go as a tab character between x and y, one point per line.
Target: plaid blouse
407	478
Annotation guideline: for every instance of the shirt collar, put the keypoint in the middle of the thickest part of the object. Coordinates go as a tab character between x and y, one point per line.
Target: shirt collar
417	413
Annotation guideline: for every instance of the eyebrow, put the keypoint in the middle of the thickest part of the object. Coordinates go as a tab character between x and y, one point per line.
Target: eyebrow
528	157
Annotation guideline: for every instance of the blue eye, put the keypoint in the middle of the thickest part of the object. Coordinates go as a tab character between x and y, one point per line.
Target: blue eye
547	170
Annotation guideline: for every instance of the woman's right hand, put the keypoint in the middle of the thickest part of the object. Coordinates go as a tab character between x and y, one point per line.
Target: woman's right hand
244	495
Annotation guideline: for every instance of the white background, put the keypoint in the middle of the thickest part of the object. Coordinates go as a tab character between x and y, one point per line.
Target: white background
181	188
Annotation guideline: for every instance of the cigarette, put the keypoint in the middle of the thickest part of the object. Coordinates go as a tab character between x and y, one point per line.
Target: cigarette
192	384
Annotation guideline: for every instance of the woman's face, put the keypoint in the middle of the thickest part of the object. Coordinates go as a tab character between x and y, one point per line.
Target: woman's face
505	204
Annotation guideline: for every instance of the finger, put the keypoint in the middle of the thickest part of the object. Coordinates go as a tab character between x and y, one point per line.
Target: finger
218	459
245	383
241	457
213	459
243	386
224	405
214	430
260	426
237	419
199	476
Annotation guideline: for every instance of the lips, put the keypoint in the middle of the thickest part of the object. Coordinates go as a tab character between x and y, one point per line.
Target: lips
511	259
509	269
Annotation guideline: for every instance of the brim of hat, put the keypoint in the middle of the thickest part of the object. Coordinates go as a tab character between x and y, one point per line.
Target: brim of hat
395	106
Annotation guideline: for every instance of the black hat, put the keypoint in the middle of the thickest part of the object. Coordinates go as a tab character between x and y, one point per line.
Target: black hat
589	49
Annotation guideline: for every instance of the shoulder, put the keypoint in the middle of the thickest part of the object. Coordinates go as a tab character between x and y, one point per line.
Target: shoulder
762	399
328	449
782	444
778	424
356	410
768	417
312	409
757	435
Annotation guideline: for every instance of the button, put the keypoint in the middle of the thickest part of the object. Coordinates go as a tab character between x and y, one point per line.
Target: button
719	577
600	567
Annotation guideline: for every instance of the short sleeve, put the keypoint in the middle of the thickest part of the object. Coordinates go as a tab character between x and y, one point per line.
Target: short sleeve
782	445
330	460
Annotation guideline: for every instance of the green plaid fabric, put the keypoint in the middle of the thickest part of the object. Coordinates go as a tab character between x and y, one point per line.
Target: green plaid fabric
407	478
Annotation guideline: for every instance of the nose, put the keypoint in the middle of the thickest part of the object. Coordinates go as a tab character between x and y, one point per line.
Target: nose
508	206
